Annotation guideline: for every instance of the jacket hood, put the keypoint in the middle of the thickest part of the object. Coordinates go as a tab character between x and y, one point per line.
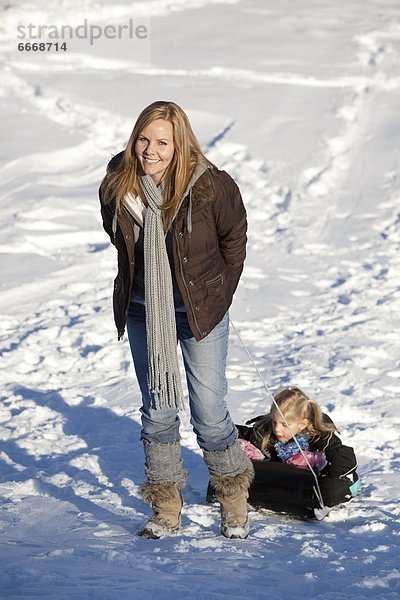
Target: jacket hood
200	168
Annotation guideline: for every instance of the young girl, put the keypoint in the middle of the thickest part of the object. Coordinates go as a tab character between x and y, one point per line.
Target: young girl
283	479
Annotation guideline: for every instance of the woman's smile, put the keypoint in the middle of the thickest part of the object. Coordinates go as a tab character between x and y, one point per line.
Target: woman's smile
155	149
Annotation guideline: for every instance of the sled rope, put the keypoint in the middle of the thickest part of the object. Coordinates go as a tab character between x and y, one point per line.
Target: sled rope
317	489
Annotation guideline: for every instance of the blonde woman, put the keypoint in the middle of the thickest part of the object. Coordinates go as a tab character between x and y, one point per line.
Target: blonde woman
179	226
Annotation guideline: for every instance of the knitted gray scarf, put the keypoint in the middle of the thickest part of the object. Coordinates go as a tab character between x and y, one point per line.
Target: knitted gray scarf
164	376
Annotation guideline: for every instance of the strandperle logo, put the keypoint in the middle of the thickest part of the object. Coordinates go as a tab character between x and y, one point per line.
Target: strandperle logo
85	31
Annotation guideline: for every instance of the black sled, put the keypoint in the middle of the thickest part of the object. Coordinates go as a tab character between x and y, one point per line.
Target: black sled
287	489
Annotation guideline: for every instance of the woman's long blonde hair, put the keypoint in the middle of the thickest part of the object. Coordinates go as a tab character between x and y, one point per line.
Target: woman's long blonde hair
126	177
295	406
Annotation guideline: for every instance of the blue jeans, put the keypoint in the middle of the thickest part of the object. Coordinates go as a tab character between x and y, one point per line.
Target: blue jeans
205	363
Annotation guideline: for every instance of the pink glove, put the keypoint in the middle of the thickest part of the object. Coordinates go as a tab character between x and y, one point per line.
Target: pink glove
250	450
316	459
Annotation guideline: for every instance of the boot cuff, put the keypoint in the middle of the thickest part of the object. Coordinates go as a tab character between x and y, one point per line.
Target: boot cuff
226	485
156	493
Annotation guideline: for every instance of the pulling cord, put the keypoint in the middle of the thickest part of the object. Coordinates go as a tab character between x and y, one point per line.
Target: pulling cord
317	489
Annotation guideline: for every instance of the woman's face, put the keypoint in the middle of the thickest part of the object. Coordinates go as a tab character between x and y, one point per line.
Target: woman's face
284	432
154	148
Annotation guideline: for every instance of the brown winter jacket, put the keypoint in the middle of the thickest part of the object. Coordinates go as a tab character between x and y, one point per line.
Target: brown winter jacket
208	260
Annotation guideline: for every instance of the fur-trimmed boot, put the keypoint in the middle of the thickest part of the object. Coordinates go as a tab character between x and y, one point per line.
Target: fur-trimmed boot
231	473
165	481
166	500
232	493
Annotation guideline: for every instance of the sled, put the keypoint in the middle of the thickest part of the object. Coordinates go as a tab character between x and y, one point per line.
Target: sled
282	488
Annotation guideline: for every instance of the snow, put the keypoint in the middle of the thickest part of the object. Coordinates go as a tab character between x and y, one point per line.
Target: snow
298	101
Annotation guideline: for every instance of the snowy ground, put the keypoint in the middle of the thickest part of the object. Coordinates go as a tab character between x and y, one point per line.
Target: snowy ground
298	101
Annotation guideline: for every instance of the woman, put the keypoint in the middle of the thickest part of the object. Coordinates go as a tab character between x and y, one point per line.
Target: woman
179	226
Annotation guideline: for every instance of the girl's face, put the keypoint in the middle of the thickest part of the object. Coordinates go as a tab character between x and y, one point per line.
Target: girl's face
281	430
154	148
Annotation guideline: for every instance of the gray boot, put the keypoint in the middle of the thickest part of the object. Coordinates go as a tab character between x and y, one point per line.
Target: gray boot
232	494
166	479
231	474
167	502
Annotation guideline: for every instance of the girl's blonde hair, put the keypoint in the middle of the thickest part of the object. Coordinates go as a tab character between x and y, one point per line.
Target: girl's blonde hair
187	152
295	406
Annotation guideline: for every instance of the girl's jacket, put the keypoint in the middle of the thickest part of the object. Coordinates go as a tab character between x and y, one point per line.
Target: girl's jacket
335	479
